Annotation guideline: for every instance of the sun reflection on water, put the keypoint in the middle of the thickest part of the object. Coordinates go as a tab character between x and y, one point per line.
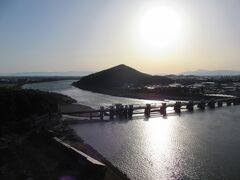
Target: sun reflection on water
159	134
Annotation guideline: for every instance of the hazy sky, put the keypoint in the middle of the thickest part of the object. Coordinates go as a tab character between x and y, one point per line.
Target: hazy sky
70	35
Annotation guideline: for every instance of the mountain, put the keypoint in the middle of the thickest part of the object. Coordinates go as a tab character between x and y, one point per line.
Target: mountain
212	73
118	77
68	73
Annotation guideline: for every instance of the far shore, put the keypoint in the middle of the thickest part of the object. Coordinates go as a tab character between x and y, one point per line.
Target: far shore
147	95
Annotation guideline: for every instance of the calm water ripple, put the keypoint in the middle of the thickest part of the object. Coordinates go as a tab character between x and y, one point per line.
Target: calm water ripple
199	145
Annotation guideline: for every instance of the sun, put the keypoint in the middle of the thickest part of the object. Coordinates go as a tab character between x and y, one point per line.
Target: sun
160	30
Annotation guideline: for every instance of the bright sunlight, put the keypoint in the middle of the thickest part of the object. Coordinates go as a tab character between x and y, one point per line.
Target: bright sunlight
160	30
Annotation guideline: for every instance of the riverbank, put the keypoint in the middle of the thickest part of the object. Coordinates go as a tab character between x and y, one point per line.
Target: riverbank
112	173
147	94
26	149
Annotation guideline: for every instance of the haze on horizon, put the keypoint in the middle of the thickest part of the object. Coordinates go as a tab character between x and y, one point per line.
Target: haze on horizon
152	36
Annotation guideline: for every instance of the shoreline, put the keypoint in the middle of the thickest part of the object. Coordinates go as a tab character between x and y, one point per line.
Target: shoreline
63	131
146	95
112	173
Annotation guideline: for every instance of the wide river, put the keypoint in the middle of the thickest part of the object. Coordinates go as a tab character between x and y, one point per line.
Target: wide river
199	145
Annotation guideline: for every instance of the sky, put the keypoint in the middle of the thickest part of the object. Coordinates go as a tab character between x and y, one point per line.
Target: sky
91	35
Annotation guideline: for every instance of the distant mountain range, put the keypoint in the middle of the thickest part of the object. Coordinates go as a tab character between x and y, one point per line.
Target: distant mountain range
68	73
85	73
212	73
119	77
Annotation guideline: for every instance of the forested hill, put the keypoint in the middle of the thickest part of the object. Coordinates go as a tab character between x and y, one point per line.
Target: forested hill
118	77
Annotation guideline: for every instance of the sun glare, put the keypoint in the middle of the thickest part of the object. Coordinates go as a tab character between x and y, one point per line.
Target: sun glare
160	30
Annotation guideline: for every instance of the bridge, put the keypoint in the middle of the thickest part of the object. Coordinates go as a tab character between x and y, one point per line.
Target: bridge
120	111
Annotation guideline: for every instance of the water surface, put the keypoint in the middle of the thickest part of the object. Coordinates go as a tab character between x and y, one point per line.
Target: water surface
88	98
199	145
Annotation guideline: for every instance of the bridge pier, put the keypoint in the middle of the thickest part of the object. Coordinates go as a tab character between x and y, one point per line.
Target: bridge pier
238	100
121	111
130	111
229	103
235	102
147	110
111	113
101	112
190	106
177	107
118	110
211	104
201	105
163	109
125	111
219	103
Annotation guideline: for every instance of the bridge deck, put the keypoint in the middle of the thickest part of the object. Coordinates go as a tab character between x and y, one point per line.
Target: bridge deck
127	111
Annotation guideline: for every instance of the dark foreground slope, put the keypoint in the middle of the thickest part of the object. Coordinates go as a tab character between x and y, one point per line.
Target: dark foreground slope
29	123
17	104
26	115
120	76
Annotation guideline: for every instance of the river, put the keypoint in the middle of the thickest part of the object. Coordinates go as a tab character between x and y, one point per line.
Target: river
199	145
